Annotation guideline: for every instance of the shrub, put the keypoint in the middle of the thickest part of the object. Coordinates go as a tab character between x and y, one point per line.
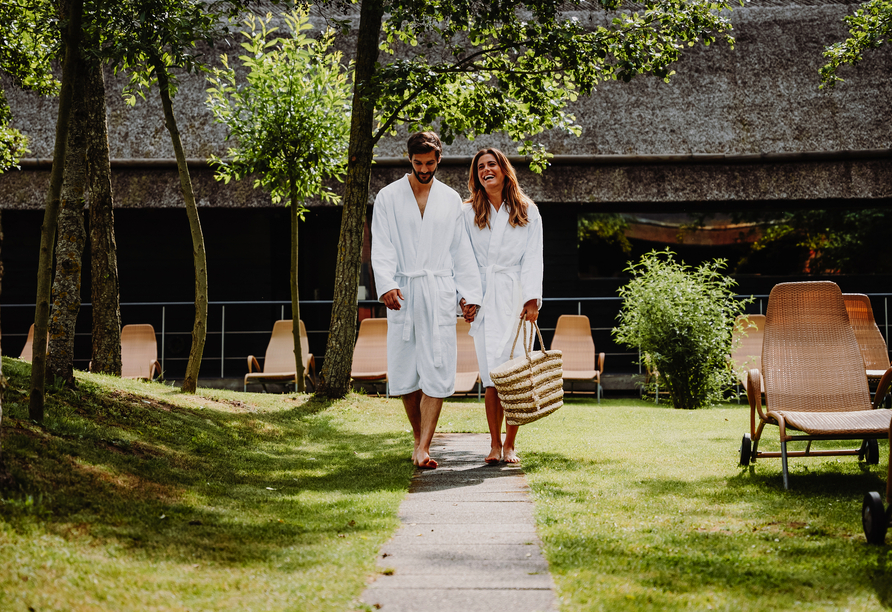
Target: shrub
681	319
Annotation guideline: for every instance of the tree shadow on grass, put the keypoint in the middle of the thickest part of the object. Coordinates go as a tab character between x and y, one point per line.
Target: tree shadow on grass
197	484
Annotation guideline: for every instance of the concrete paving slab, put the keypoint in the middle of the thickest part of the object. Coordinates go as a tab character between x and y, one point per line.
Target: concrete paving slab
486	579
467	513
455	496
477	529
414	548
456	480
456	537
463	600
493	569
467	541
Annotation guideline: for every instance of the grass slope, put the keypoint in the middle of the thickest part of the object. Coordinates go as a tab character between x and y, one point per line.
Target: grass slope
133	496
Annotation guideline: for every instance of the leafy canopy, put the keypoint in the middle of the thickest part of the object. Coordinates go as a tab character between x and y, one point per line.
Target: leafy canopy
140	34
869	27
681	319
290	113
29	39
512	65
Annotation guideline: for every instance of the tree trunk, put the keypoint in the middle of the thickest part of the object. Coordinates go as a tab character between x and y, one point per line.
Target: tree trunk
105	293
295	296
70	237
48	229
2	381
335	381
199	329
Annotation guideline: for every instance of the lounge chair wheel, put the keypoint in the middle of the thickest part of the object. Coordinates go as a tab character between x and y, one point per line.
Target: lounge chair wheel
746	449
873	518
871	452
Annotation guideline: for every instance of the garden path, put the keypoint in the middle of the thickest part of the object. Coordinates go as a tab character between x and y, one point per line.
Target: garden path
468	540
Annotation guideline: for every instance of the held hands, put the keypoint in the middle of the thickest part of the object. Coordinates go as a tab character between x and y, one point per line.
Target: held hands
392	299
468	311
530	310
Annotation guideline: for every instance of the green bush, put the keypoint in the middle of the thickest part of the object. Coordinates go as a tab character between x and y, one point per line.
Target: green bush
681	319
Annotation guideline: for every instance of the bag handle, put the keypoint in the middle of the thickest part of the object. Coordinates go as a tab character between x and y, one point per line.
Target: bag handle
527	346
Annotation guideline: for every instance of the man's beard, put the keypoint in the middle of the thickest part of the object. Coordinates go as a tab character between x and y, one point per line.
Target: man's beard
428	179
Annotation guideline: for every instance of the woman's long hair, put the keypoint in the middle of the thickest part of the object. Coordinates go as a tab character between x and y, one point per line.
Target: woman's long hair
512	195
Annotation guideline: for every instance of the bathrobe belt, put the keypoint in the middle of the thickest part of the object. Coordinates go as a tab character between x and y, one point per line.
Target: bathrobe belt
429	289
489	298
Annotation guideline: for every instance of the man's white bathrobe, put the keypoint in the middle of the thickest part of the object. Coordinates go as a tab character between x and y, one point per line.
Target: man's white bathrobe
431	262
510	262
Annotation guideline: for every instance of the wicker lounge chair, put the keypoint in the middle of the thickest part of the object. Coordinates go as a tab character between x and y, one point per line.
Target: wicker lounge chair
573	337
27	354
278	364
874	518
870	340
467	372
747	353
370	352
139	352
815	383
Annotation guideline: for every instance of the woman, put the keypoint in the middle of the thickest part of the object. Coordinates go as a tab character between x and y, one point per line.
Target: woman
506	235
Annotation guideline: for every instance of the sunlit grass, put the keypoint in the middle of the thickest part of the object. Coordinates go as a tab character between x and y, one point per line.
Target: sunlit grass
133	496
643	507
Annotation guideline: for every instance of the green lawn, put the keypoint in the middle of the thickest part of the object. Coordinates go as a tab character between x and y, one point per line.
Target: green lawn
136	497
643	507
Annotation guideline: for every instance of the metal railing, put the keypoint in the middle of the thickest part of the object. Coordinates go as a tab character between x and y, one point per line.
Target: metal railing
237	329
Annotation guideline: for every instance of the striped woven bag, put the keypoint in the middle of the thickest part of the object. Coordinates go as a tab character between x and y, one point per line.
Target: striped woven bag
530	386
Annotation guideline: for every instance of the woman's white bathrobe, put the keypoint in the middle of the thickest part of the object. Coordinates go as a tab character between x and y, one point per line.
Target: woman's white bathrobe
510	263
428	259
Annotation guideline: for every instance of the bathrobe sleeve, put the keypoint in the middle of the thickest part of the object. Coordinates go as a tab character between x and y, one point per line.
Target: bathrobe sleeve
467	274
384	255
531	264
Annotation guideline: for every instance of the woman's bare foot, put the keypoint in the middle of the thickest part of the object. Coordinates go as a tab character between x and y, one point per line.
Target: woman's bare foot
509	455
424	461
494	455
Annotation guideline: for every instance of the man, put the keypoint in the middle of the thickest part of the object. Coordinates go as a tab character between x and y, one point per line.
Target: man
423	263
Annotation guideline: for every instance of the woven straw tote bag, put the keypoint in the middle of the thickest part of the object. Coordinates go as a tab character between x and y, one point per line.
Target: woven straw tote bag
531	386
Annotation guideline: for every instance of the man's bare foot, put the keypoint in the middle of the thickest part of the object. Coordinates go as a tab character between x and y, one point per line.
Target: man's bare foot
509	455
495	453
423	460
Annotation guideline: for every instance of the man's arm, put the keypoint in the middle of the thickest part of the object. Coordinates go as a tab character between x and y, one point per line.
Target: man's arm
384	258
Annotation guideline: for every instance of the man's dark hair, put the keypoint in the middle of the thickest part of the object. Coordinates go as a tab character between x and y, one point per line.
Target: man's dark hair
424	142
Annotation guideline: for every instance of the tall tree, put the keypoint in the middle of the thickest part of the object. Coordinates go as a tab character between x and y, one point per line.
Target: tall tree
470	69
151	39
70	238
199	256
105	292
25	49
72	13
869	28
289	116
2	380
